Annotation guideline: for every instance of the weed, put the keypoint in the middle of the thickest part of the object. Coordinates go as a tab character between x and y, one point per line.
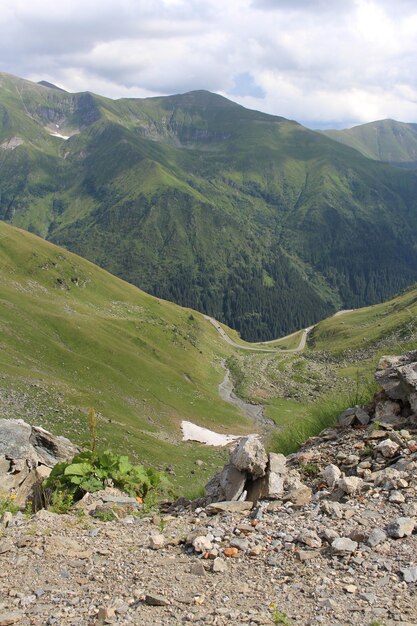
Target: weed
60	501
279	617
310	469
106	516
376	622
367	451
8	503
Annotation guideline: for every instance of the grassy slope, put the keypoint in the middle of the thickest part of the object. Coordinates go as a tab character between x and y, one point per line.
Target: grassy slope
384	140
368	326
73	336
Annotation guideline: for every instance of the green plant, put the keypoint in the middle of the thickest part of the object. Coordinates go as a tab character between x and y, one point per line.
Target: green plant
376	622
7	503
90	472
279	617
106	516
310	469
367	451
60	501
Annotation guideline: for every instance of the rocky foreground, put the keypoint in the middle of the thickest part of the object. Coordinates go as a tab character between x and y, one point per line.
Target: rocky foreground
328	536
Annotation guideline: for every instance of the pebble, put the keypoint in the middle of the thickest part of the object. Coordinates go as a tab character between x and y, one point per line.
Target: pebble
157	541
344	546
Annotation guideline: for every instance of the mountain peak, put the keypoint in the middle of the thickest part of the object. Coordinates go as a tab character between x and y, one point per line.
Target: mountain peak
45	83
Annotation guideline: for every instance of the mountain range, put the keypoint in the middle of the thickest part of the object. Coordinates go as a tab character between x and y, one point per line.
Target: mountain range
252	218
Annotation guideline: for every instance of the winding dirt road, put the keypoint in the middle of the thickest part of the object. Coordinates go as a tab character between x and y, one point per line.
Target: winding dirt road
226	338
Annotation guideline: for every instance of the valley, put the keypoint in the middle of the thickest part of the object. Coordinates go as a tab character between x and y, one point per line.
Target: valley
74	336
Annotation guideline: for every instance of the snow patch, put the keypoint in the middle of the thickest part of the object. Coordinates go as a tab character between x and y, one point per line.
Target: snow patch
192	432
60	136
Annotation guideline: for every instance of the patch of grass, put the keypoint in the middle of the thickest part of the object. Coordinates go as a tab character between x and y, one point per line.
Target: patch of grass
310	469
105	516
319	416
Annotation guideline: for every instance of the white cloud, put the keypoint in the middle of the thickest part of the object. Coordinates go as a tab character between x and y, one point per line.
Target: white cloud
320	62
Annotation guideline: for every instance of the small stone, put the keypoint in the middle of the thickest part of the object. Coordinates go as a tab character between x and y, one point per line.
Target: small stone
219	565
157	541
350	484
388	448
309	538
202	544
229	507
368	597
5	546
231	552
197	569
376	537
307	555
344	546
331	475
6	519
300	496
410	574
401	527
396	497
105	615
350	588
256	550
154	599
240	544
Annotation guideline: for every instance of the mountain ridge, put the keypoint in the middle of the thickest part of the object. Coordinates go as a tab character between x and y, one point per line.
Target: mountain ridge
383	140
251	218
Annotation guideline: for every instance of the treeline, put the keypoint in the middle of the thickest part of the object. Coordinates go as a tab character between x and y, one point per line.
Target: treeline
261	302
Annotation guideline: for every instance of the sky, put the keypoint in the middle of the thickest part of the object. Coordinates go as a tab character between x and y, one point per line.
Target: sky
324	63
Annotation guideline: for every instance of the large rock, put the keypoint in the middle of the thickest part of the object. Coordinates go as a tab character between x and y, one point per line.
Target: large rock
354	415
27	454
397	375
277	472
249	456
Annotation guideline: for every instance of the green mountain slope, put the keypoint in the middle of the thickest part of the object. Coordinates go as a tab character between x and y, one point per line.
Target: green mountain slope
384	140
393	321
74	336
252	218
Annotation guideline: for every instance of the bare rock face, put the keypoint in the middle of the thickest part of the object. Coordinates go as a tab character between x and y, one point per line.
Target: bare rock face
27	454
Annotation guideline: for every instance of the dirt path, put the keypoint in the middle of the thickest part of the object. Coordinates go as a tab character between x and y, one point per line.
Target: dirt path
299	348
226	338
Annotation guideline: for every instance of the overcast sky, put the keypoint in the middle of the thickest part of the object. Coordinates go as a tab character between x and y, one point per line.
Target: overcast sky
325	63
